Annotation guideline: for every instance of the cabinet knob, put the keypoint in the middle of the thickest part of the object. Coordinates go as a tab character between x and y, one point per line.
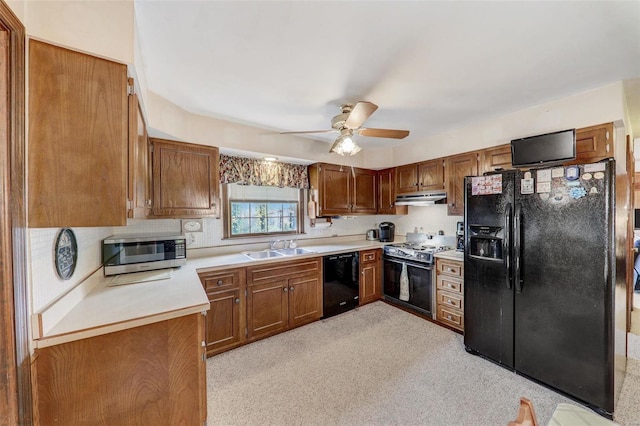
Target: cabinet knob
237	300
290	288
219	282
213	204
391	205
449	317
285	289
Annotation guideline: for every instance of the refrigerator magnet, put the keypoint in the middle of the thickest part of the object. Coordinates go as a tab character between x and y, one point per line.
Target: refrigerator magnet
572	173
598	175
593	190
544	175
558	172
586	176
543	187
526	185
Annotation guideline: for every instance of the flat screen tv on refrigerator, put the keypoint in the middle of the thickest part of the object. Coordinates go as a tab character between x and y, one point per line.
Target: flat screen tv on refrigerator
543	150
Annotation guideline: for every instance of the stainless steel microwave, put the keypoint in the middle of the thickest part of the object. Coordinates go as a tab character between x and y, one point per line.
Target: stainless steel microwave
135	253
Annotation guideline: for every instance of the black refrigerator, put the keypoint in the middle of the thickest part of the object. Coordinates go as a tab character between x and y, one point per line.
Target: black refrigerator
539	276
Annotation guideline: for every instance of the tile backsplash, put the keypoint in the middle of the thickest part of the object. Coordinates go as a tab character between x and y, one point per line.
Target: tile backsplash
47	287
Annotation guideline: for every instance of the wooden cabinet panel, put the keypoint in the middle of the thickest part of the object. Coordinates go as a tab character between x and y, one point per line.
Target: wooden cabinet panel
139	163
492	159
224	329
305	300
185	179
594	143
431	175
450	293
153	374
406	179
278	270
78	138
387	193
226	320
370	276
364	192
457	167
267	308
335	191
343	189
283	295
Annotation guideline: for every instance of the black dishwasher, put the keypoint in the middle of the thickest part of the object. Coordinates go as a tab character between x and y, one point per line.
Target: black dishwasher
341	283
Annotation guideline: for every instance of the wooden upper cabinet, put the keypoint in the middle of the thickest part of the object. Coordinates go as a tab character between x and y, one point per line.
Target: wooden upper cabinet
406	179
185	179
431	175
139	163
387	193
492	159
78	139
364	191
424	176
343	190
594	143
457	167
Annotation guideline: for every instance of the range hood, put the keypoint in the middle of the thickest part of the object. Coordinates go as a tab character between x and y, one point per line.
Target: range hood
425	198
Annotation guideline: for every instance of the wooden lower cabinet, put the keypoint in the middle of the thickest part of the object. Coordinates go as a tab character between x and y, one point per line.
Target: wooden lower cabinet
283	295
450	293
370	276
148	375
267	309
225	321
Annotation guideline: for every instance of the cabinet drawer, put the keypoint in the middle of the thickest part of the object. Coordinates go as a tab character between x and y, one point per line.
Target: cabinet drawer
450	317
452	300
368	256
450	268
451	284
282	270
222	280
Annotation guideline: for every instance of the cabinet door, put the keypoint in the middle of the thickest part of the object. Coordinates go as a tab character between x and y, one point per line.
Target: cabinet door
305	300
386	191
457	167
594	143
223	329
431	175
370	276
185	179
495	158
139	163
267	308
78	139
336	189
364	191
406	179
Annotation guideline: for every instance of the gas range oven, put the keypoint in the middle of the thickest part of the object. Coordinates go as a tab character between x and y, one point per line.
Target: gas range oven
408	275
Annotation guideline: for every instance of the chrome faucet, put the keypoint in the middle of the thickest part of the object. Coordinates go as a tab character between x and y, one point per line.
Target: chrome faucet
273	243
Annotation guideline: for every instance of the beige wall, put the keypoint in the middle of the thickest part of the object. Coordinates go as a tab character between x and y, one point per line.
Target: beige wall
597	106
103	28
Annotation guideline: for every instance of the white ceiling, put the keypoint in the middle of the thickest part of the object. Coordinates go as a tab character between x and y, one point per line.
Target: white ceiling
430	66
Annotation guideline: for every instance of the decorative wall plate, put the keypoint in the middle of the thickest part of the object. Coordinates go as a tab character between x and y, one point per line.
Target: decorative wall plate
66	253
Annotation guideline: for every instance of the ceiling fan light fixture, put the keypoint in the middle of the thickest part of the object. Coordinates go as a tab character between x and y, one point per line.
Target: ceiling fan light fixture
345	144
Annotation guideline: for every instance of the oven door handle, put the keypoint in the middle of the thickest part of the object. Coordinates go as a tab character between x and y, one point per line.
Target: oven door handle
410	263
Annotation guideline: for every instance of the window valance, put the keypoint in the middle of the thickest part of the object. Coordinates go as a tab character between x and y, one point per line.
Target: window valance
251	171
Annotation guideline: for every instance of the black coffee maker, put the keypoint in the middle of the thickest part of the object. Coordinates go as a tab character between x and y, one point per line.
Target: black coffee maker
387	232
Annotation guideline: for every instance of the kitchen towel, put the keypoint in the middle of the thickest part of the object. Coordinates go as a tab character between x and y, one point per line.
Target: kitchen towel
404	283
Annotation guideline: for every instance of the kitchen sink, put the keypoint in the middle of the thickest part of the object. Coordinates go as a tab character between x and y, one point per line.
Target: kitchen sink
263	254
294	251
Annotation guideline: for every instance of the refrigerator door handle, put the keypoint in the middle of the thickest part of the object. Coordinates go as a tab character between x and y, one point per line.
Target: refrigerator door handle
507	245
517	223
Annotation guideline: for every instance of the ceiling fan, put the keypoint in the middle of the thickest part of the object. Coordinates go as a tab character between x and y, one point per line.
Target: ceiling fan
349	122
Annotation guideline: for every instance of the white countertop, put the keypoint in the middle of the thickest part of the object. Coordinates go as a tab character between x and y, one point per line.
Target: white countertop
104	309
451	255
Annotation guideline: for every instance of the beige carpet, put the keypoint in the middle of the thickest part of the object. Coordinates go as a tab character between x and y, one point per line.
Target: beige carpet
375	365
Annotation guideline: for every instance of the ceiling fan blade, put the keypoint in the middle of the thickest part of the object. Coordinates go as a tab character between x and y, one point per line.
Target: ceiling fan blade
360	112
307	131
384	133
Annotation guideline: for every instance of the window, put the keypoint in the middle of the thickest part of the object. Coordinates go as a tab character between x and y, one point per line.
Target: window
256	211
